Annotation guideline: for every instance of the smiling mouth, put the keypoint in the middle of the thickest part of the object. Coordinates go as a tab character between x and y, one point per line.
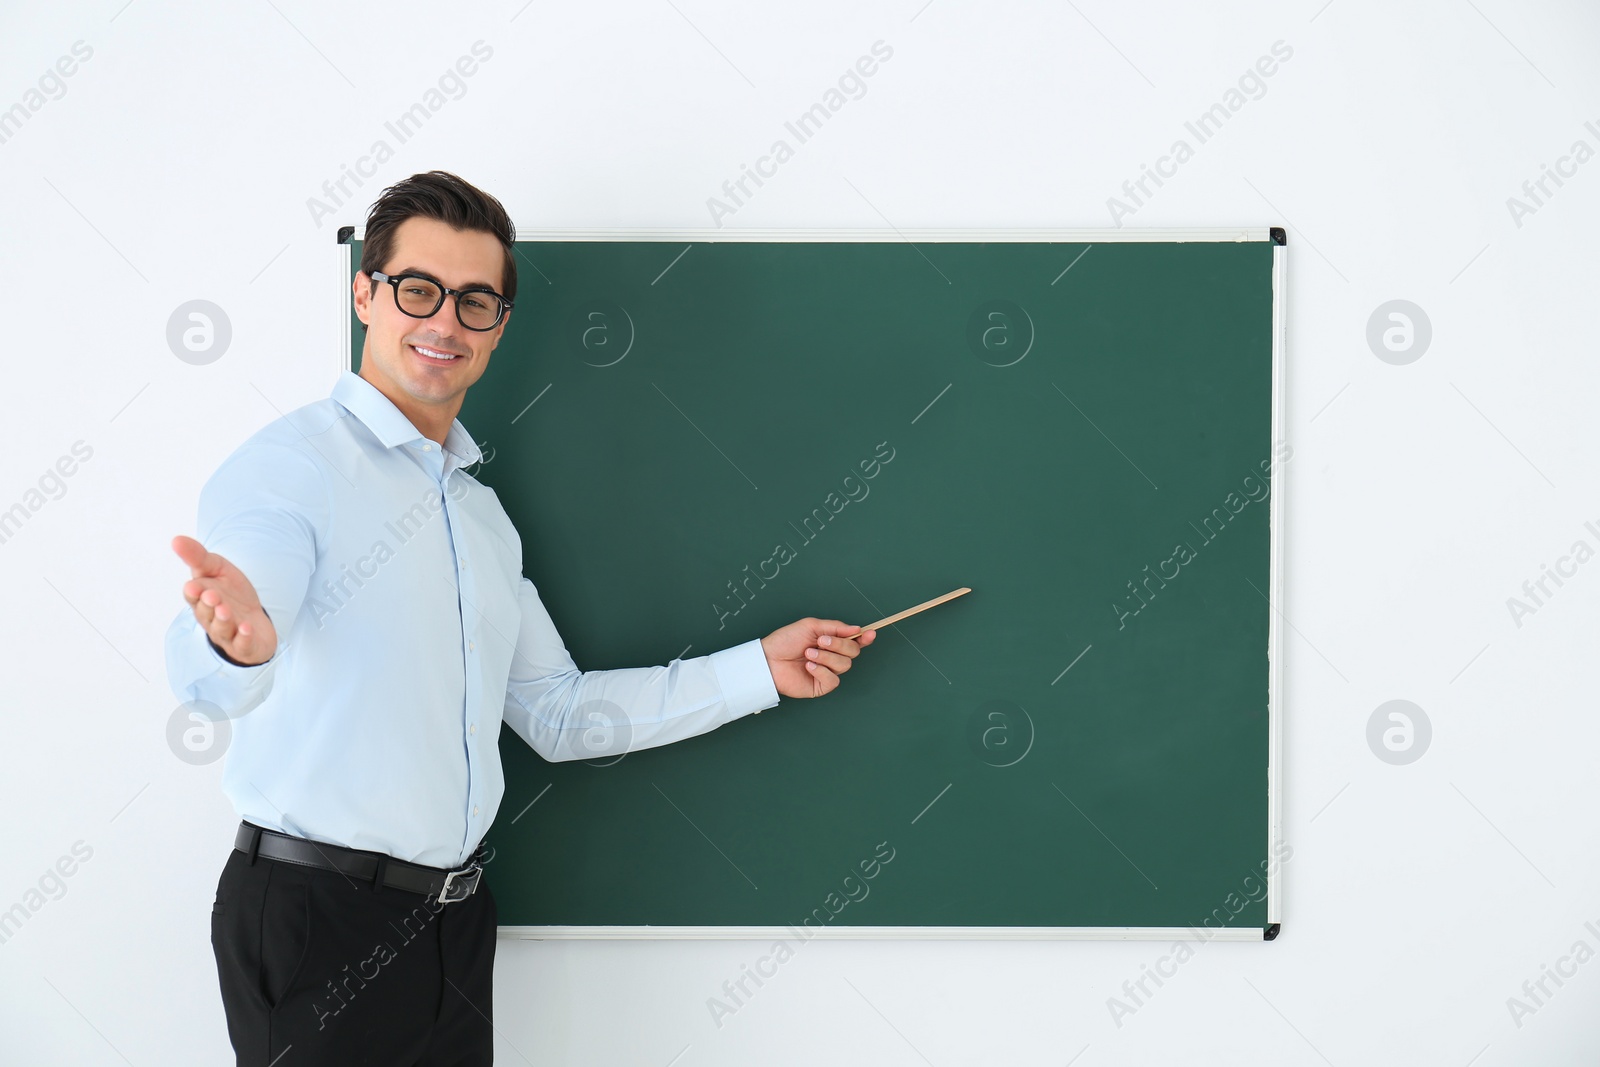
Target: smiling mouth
435	356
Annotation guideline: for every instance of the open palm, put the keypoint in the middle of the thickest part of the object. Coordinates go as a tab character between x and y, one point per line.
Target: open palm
226	604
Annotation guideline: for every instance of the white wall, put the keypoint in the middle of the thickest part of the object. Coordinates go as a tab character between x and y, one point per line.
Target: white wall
1420	897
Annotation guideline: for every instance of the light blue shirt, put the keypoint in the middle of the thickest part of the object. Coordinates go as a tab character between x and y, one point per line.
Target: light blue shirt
406	635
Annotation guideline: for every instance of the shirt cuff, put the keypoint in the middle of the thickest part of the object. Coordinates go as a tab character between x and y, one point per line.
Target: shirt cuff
745	678
229	659
198	671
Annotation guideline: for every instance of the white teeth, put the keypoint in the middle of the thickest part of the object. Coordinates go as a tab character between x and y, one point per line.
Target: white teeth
434	354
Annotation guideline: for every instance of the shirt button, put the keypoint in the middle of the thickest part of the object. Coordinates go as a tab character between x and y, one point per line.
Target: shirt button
471	646
472	729
474	809
427	448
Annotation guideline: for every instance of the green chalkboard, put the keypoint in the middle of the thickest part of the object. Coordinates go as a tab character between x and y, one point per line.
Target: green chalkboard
1081	430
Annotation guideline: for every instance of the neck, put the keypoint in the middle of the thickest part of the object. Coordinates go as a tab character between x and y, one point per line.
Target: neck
433	421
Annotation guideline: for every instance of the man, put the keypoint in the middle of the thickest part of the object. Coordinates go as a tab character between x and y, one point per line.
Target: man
357	610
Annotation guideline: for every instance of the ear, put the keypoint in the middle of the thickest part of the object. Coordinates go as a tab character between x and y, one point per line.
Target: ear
361	289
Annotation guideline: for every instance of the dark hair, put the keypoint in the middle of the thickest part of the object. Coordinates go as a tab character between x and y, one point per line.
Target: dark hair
439	195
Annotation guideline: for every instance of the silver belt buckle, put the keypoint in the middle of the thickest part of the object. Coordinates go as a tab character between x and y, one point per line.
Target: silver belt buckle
459	885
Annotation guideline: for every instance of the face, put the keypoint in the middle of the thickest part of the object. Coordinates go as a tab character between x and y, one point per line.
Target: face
395	358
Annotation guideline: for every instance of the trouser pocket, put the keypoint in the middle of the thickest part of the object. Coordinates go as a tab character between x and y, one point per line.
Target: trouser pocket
285	932
260	930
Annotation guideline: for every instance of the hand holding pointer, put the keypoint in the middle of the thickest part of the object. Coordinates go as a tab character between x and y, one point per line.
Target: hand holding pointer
807	657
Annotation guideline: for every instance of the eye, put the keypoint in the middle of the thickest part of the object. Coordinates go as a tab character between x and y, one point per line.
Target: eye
477	300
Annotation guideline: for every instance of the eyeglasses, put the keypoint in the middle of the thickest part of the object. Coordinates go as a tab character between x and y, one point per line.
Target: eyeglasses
421	297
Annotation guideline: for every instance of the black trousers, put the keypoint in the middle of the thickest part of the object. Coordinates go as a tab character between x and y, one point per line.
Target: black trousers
318	969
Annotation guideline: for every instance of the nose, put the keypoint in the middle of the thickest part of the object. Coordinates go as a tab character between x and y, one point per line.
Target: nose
444	320
443	324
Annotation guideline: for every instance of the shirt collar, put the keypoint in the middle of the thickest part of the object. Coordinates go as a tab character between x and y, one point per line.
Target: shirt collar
390	425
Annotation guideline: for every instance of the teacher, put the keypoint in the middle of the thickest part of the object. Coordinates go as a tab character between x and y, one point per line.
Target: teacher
357	609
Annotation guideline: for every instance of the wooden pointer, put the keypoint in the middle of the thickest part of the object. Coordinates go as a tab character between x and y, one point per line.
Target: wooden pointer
924	606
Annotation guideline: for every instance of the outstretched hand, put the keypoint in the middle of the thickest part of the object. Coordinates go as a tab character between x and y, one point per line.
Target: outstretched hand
226	604
806	657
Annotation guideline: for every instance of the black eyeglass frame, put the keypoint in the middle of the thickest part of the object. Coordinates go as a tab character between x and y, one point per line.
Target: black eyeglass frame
394	280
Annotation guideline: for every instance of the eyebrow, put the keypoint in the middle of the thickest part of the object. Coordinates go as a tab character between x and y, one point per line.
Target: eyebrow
430	277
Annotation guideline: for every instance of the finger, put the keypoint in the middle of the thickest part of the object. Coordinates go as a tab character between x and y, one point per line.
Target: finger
219	628
195	555
211	595
215	617
225	636
832	660
204	609
837	628
195	588
842	645
824	679
221	605
186	547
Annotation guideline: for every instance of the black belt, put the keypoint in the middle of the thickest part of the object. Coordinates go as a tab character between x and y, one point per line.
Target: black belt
376	868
